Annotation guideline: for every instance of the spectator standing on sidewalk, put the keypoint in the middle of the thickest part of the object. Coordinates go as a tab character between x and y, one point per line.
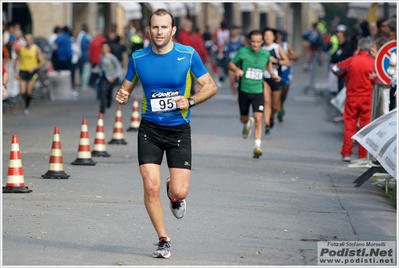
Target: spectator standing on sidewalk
344	51
117	48
136	41
51	41
383	30
83	41
359	71
95	51
4	79
185	35
76	54
64	50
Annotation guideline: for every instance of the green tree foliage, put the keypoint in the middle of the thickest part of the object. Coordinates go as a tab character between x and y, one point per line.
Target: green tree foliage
340	10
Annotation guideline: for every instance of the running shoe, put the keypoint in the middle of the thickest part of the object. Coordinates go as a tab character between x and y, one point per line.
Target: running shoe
257	152
280	114
26	112
246	132
346	158
178	207
268	130
271	122
163	249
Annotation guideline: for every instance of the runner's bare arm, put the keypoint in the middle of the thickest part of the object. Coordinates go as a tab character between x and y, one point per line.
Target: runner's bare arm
208	90
123	94
292	54
284	58
237	71
271	71
40	56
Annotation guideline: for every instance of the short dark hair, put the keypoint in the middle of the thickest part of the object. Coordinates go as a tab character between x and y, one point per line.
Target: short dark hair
57	29
254	32
380	21
392	25
162	12
106	43
274	31
85	27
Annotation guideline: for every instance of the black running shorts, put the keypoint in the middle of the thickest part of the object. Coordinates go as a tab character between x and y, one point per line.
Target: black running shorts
274	86
27	76
153	140
246	99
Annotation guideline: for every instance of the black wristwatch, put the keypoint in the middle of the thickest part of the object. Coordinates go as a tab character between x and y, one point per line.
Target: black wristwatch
191	102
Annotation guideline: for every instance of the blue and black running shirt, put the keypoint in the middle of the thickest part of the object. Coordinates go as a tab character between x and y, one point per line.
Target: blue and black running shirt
164	77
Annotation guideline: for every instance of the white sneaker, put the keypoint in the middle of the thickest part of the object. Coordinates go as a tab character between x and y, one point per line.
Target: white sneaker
178	207
246	132
26	112
346	158
163	248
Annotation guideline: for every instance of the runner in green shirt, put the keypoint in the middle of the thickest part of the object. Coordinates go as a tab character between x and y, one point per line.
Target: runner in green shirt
252	61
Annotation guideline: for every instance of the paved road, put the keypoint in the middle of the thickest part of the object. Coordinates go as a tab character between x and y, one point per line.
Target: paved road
240	210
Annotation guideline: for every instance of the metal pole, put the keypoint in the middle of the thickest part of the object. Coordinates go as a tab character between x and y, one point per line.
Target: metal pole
9	12
386	10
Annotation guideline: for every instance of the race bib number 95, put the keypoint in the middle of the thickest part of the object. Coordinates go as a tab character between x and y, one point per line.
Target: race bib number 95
162	101
254	74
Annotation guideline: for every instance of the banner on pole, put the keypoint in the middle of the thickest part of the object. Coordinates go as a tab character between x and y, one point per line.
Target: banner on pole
379	139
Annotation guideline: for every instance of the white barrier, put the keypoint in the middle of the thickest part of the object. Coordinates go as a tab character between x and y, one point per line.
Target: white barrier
379	139
60	85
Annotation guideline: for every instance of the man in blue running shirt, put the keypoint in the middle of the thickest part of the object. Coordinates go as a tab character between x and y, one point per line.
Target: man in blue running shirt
166	71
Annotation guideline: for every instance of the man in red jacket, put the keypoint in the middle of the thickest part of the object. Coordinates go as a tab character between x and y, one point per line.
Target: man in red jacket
95	51
95	48
359	71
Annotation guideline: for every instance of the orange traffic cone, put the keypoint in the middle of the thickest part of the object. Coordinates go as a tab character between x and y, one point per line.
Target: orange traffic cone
118	135
84	154
15	178
56	165
99	142
135	121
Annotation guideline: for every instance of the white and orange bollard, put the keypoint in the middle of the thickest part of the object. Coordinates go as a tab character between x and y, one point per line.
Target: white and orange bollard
15	178
56	165
99	149
84	152
135	120
118	137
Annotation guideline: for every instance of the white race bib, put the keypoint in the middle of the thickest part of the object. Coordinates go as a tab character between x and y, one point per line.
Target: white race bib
162	102
254	74
267	74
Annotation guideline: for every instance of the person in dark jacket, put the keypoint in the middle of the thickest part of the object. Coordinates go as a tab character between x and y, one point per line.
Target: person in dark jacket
344	51
116	47
64	50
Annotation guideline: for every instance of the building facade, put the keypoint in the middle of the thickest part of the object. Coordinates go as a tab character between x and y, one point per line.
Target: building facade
41	17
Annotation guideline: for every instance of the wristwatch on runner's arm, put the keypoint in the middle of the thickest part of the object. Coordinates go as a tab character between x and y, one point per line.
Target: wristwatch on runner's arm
191	102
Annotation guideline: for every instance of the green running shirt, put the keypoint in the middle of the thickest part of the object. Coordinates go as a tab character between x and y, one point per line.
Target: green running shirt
253	64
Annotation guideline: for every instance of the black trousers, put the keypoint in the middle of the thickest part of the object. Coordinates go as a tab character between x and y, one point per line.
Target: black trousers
105	93
392	99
